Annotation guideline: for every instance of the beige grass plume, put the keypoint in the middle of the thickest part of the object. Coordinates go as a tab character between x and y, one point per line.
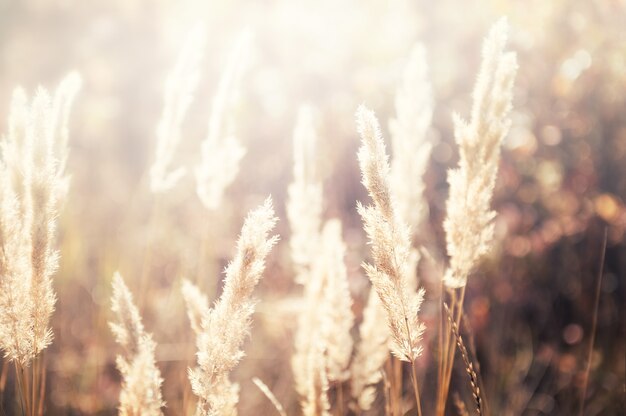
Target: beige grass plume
16	330
315	401
179	89
305	193
225	326
410	147
308	362
371	353
270	396
34	185
197	305
141	385
336	313
391	273
221	151
323	344
326	317
61	107
304	205
469	221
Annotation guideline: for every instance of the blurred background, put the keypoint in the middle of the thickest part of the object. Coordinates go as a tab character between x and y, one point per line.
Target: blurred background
562	181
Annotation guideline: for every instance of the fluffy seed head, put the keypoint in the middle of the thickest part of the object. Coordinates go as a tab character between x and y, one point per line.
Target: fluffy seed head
226	325
391	273
410	147
179	90
469	220
221	151
141	385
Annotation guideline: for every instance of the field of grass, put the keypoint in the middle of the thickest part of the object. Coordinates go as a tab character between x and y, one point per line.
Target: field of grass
316	207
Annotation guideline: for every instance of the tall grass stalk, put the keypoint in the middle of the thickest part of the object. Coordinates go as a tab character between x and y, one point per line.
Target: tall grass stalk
392	273
226	325
469	218
141	386
594	324
33	188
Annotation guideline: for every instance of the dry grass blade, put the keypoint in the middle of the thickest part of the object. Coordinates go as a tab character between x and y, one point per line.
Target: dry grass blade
270	396
594	323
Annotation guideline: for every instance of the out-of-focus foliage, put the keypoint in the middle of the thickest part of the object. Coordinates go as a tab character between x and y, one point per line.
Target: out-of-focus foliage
562	180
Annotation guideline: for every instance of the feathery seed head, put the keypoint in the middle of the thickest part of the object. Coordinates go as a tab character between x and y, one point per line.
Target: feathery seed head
469	219
371	353
197	305
304	204
390	274
141	385
221	151
410	148
179	89
33	187
225	326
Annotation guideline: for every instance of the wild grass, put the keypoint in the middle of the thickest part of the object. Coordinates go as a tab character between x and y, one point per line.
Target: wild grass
141	385
369	328
225	326
33	188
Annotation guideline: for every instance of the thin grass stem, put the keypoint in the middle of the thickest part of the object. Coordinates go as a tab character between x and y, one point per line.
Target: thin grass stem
594	323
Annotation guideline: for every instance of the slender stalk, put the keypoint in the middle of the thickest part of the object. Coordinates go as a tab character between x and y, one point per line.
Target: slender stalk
442	352
458	312
19	377
445	353
450	348
594	323
440	344
416	389
3	380
413	377
34	385
26	384
42	390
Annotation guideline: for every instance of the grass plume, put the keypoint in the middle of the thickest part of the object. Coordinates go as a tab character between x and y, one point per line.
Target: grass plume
179	90
469	217
390	245
409	145
226	325
141	385
221	151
